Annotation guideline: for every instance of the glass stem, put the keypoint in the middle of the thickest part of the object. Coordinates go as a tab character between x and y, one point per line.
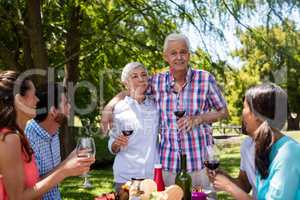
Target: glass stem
86	180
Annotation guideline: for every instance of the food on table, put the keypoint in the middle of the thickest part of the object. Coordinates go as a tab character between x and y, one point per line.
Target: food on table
147	186
158	196
197	188
107	196
174	192
145	190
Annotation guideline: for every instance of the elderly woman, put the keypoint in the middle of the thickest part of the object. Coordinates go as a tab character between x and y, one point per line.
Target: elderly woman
277	157
134	134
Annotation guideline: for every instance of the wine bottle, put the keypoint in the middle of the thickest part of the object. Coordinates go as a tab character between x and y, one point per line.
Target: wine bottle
184	180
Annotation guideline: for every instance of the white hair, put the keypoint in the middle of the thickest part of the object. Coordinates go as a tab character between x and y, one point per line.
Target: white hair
176	37
128	68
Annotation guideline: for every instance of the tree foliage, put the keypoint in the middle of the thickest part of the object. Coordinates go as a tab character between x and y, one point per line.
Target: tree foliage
273	55
112	33
35	34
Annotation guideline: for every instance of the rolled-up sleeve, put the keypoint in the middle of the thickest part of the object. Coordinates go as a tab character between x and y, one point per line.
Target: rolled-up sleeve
215	98
113	134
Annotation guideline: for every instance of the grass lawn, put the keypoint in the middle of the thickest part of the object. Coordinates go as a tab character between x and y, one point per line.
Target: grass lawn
102	180
294	134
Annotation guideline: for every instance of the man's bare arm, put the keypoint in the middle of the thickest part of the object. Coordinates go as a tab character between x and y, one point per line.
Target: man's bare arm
188	122
107	117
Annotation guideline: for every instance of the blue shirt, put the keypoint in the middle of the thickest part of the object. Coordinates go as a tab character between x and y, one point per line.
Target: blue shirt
46	149
283	181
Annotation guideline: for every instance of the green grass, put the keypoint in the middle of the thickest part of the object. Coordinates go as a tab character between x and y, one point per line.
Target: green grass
230	162
294	134
102	180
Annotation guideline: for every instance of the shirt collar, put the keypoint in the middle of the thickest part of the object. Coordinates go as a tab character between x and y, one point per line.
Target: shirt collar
276	146
41	132
131	100
171	81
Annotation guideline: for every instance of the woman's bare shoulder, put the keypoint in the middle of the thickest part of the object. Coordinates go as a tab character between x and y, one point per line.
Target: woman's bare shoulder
10	142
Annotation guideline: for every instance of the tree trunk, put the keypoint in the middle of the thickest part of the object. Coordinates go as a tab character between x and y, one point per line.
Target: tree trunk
28	62
71	76
293	123
34	29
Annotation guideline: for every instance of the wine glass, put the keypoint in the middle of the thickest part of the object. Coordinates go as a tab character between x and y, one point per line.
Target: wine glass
86	148
127	128
179	113
212	159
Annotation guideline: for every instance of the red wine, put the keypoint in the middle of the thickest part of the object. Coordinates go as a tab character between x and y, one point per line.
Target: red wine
127	132
179	114
212	165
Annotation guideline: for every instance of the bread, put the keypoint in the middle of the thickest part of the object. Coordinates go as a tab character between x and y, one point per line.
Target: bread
148	186
174	192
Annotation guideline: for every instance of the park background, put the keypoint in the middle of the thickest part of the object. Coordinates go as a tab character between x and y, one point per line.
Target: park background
86	43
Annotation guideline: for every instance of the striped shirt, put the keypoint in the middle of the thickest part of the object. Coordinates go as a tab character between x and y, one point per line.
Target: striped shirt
46	149
199	95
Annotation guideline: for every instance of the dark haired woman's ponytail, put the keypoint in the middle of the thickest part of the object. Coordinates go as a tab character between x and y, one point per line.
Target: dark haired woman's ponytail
263	144
8	113
25	145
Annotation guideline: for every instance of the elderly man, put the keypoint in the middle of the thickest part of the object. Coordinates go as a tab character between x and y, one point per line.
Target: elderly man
182	88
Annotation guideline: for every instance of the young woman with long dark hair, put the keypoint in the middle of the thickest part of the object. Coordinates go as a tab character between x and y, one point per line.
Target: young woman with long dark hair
277	157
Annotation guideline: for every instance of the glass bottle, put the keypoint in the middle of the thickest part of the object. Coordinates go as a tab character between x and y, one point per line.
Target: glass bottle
184	180
158	178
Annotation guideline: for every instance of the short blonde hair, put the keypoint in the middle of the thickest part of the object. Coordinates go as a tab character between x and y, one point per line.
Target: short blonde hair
128	68
176	37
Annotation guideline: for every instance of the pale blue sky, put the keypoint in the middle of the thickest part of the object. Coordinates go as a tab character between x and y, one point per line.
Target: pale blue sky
221	49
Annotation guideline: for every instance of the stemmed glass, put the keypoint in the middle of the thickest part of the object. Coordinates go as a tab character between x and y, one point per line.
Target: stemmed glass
212	159
127	129
179	113
86	148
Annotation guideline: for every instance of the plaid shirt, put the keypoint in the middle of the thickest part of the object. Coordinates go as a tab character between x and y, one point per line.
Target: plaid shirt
199	95
46	149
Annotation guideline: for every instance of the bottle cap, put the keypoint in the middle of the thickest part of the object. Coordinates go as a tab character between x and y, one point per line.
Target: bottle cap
157	166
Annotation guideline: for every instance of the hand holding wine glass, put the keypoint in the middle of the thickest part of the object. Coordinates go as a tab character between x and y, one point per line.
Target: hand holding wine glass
212	161
180	119
120	143
86	148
